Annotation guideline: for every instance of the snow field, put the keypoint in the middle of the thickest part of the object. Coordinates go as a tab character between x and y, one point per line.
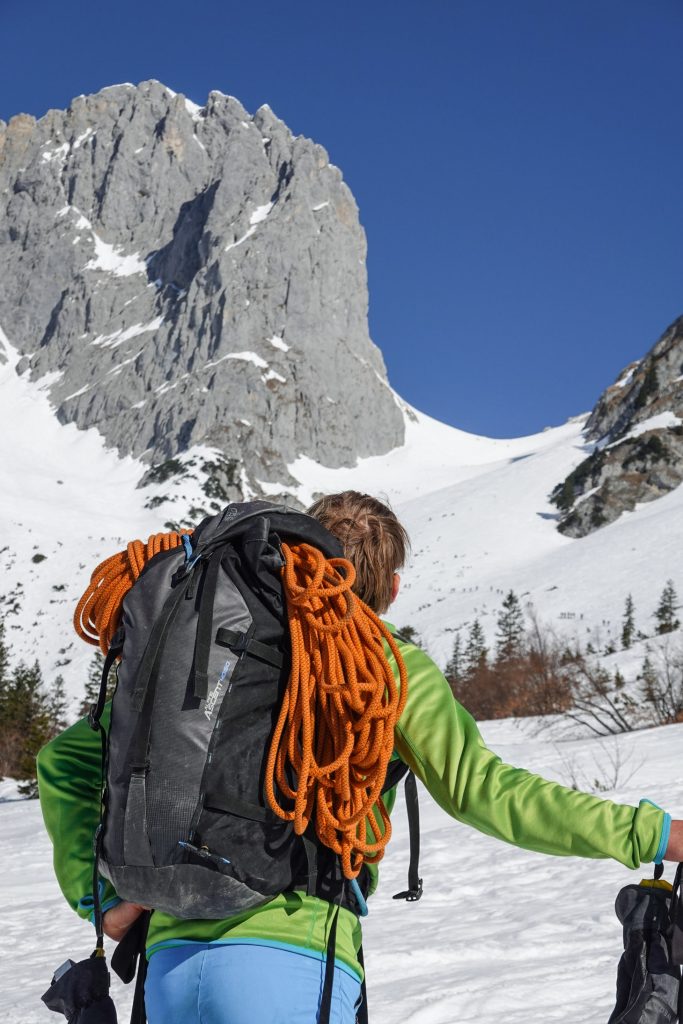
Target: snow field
500	933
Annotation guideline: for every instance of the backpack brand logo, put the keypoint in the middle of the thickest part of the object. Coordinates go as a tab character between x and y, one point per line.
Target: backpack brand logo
217	692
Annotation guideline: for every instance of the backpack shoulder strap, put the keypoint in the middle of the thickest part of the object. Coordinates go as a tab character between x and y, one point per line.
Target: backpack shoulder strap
414	890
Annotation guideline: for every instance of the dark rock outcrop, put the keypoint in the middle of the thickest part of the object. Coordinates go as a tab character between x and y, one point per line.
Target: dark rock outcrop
636	435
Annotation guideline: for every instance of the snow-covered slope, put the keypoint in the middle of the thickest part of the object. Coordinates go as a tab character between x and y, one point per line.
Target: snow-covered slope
477	510
500	933
479	516
66	502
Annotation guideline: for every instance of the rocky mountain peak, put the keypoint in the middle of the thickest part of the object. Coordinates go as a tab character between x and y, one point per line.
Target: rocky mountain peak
179	275
635	439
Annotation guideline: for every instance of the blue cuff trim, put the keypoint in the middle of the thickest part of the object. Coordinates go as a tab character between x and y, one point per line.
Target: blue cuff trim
666	829
88	902
664	840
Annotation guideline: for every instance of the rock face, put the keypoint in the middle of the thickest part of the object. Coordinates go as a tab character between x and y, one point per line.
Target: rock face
181	275
636	432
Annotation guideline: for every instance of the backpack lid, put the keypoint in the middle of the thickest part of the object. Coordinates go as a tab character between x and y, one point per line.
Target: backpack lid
287	522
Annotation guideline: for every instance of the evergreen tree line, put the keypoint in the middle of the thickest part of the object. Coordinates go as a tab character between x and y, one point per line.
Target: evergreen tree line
664	614
531	671
31	713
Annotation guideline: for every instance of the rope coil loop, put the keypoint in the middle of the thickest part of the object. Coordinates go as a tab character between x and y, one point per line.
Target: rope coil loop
335	730
98	612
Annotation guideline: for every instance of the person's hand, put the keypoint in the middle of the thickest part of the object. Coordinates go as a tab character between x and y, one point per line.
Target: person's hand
117	920
674	850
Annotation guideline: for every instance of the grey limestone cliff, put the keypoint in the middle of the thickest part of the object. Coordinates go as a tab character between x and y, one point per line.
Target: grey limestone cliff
635	437
191	275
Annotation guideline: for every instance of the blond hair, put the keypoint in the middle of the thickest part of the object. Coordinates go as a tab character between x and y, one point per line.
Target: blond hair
374	541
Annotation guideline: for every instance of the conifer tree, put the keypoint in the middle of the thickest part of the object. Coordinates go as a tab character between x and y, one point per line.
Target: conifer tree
476	652
410	634
7	735
510	625
454	668
4	656
666	610
29	719
92	685
649	386
649	680
629	626
58	706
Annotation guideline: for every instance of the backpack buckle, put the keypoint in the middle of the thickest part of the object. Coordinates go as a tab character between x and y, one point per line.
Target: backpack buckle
410	895
240	645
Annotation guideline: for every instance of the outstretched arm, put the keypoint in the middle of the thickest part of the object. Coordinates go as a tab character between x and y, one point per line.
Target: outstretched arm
441	742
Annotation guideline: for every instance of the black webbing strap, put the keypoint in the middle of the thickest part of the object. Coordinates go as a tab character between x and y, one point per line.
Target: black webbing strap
129	961
204	635
97	708
326	1000
242	643
94	717
156	638
312	866
231	804
676	914
97	902
362	1015
396	770
414	890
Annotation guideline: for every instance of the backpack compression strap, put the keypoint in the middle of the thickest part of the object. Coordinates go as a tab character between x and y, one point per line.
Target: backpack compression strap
94	717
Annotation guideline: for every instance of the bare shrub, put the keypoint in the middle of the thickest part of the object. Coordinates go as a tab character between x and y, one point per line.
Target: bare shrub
661	684
613	770
550	676
597	704
533	682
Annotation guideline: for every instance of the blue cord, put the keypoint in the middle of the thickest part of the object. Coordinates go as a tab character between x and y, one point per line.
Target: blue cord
362	905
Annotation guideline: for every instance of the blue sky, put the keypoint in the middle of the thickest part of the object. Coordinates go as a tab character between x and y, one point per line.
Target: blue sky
517	166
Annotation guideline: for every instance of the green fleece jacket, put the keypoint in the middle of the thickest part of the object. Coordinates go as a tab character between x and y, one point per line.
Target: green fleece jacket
440	742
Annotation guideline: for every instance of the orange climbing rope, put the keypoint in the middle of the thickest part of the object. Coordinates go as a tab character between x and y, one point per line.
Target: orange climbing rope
98	612
335	729
337	719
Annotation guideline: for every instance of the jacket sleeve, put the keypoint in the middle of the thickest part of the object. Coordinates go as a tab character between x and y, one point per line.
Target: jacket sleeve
441	743
69	781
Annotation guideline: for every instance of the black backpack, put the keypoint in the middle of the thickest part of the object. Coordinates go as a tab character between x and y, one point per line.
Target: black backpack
204	648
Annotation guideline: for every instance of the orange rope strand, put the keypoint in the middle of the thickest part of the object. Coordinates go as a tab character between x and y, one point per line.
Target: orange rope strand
336	724
98	612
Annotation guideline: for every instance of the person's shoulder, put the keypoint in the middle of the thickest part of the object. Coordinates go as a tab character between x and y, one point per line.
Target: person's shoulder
415	658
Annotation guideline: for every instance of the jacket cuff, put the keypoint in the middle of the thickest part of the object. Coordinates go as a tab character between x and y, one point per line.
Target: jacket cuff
108	899
664	835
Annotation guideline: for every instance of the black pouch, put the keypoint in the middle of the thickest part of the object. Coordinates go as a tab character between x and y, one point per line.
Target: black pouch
648	977
81	992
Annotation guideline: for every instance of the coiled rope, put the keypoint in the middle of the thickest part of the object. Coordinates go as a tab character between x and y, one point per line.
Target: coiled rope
335	730
98	612
336	724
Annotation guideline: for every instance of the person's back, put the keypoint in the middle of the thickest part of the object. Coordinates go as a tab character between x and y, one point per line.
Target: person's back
268	963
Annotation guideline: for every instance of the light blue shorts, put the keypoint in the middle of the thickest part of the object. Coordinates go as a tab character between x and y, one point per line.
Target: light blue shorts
243	983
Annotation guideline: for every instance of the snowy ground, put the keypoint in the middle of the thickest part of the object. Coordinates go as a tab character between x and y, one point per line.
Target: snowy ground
500	934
